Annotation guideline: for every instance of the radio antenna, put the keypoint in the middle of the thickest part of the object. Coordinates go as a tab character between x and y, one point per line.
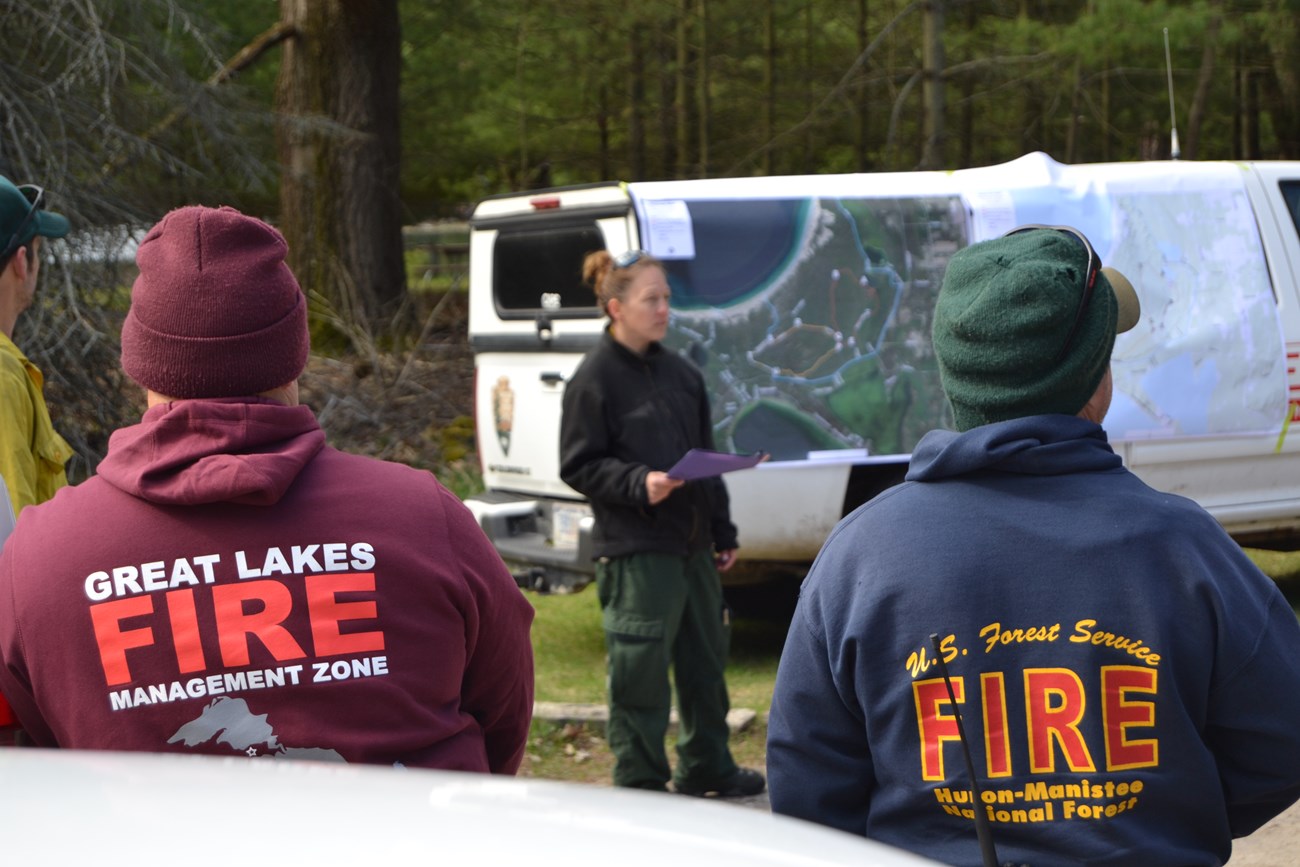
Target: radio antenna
983	832
1174	152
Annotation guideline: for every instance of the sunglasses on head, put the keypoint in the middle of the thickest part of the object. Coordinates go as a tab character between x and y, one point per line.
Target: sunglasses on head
630	258
1090	278
34	196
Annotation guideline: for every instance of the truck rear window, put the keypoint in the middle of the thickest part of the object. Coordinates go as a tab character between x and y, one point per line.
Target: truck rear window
1291	194
536	270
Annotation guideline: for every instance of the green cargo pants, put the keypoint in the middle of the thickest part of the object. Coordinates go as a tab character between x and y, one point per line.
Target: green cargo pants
661	610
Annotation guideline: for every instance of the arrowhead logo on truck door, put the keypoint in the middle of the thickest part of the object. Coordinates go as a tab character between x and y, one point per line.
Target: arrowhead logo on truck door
503	411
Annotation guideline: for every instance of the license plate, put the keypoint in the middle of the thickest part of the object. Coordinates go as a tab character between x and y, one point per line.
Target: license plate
565	519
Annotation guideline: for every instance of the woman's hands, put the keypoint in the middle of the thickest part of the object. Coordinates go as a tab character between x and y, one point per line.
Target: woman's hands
658	486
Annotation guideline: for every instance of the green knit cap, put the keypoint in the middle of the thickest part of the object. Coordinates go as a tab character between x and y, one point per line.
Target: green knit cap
1002	320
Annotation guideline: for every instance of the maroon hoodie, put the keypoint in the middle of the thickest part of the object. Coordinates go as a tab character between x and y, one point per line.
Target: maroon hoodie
229	584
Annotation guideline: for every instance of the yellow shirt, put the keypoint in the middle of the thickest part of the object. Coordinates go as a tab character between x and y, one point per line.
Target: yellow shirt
32	453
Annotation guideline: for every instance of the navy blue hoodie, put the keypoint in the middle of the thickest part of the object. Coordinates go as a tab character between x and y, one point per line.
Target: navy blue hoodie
1128	679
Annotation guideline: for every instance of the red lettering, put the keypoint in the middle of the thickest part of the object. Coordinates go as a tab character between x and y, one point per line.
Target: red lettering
185	631
327	611
234	624
997	745
113	640
1120	714
1054	704
935	728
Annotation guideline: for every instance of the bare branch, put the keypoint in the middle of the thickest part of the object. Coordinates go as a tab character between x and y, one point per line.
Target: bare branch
244	58
833	94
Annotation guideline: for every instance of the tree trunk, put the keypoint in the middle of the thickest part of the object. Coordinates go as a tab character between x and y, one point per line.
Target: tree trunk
1250	115
860	127
684	101
704	84
1072	127
1032	105
769	83
1282	87
809	157
1200	99
1239	109
339	150
933	87
666	47
1105	125
604	160
966	119
635	106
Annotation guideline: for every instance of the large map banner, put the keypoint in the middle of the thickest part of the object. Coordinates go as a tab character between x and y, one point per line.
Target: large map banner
807	301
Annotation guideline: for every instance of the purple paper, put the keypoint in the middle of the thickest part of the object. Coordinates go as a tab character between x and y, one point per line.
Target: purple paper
703	463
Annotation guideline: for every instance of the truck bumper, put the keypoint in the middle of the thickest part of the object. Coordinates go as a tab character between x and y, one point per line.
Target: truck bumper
546	544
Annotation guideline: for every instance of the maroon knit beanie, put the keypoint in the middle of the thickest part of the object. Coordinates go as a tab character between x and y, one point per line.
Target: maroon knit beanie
215	312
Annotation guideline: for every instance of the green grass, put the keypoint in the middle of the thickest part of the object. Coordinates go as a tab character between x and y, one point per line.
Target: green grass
1282	566
569	648
425	273
569	651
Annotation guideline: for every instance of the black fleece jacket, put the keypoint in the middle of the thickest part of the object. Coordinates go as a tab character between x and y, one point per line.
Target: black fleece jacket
625	415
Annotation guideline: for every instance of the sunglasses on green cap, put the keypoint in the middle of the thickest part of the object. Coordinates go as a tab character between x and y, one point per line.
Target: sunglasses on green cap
1090	278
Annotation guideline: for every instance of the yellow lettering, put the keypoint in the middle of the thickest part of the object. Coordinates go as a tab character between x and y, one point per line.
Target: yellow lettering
995	635
1085	632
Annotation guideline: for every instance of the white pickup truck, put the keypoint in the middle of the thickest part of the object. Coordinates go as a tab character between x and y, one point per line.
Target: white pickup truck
806	302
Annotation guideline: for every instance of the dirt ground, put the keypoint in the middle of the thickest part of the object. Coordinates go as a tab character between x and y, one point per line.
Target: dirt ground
413	406
1277	844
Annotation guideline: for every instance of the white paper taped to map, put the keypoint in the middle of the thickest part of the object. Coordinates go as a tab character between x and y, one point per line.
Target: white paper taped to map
993	214
668	227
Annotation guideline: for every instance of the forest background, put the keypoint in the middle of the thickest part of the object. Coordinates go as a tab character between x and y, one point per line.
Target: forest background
345	121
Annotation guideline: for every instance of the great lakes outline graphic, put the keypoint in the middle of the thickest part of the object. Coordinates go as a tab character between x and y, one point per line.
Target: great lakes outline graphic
229	721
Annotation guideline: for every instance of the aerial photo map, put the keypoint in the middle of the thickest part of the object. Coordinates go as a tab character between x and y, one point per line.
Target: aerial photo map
810	312
811	319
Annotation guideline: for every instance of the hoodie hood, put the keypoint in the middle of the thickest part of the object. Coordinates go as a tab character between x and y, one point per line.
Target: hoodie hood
1040	445
232	450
